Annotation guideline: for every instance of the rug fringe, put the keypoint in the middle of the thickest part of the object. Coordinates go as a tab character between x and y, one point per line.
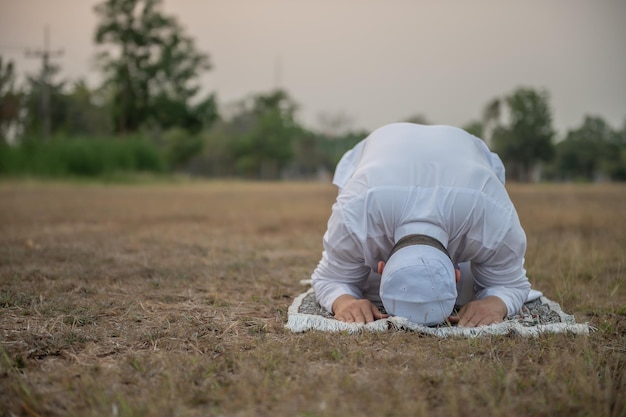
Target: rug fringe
299	323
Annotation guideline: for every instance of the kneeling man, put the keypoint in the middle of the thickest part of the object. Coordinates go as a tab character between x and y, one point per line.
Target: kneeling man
422	223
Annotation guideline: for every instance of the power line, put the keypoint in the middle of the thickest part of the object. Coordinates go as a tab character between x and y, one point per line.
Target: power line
45	55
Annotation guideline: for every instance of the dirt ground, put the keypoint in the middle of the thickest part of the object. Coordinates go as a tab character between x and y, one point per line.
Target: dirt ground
171	300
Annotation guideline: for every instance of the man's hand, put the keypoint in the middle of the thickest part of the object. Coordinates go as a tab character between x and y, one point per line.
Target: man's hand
352	310
480	312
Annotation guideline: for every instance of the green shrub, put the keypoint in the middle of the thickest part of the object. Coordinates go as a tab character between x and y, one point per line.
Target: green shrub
181	146
81	157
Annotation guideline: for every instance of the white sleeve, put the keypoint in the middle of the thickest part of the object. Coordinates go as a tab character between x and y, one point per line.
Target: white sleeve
347	165
497	166
341	269
494	161
502	274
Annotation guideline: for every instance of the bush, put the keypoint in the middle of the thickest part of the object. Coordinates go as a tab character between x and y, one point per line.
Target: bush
181	146
80	157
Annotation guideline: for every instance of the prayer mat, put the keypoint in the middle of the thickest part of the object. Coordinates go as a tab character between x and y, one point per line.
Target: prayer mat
539	316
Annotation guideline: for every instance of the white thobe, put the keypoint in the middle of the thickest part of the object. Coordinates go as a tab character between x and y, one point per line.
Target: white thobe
438	181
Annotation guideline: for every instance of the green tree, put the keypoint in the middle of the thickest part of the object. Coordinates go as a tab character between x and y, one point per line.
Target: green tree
575	159
591	151
70	111
85	112
151	68
490	119
10	101
76	110
181	146
264	129
527	139
620	173
475	128
309	158
45	103
218	158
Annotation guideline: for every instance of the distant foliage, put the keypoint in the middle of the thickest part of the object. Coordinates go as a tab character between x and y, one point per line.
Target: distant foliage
592	152
261	136
10	100
81	158
181	146
151	68
527	138
261	139
475	128
146	117
73	110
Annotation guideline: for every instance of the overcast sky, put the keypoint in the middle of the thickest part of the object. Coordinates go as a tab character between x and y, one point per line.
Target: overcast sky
375	61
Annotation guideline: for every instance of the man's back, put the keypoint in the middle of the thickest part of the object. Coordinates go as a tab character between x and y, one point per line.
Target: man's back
435	179
416	155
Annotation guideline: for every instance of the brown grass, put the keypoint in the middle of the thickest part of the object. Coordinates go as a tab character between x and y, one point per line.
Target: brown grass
170	300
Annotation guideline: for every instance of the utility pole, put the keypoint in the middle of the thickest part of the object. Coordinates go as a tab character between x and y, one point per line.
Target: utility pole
44	81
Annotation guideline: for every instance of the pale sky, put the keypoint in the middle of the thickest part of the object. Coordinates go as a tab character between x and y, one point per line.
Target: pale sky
376	61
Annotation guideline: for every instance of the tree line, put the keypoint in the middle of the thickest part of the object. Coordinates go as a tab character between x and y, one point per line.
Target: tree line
149	114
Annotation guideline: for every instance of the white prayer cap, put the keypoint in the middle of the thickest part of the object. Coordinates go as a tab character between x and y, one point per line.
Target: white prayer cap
418	283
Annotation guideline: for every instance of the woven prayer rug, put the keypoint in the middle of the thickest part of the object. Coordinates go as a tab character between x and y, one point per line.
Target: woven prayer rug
537	317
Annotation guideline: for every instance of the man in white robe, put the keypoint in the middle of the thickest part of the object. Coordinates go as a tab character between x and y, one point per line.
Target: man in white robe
435	196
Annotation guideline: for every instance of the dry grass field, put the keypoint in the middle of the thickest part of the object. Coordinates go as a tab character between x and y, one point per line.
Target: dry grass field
171	300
